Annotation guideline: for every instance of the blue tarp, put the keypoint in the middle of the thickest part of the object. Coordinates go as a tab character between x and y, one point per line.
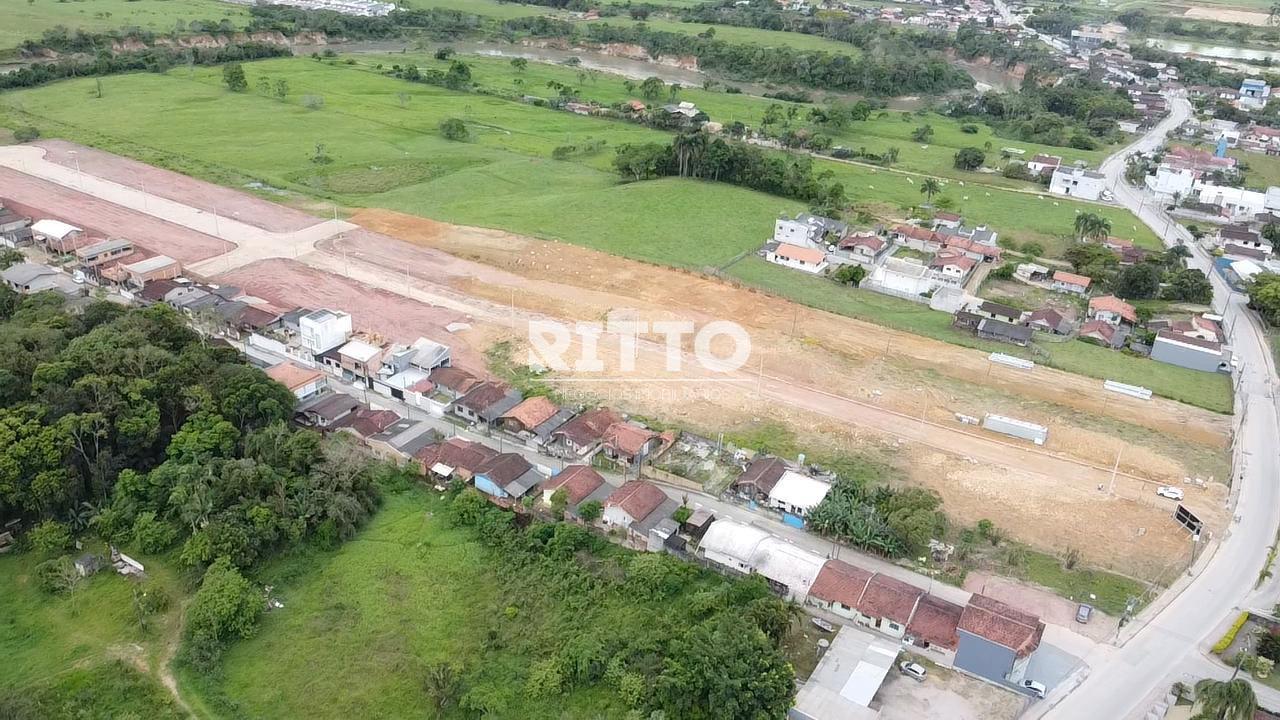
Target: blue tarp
793	520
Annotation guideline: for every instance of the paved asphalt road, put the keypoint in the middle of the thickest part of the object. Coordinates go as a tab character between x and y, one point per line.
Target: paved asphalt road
1171	643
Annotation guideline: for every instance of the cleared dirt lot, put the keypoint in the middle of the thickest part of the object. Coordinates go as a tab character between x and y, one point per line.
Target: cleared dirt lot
179	188
40	199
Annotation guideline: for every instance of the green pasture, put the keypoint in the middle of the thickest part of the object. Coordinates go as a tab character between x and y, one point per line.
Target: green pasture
23	20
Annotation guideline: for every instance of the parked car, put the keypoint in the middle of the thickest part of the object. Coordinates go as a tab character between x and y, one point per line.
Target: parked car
912	670
1083	613
1170	492
1035	688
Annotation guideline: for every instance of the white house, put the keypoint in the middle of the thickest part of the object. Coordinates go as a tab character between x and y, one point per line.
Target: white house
744	549
1041	164
902	276
1236	202
1254	94
809	260
323	330
1066	282
1171	181
952	268
1078	182
797	494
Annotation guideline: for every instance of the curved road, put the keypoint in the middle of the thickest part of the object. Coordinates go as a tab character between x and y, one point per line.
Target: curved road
1172	637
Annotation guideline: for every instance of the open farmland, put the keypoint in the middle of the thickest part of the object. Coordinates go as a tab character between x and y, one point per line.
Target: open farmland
27	20
883	130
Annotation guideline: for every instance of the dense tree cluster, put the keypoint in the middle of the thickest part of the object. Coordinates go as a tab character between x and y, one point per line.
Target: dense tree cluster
1073	112
969	42
156	59
698	155
1264	296
891	522
660	633
1158	275
887	74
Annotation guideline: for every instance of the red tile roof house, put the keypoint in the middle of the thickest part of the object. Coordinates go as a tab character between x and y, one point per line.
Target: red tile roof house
888	604
636	507
581	436
628	444
579	482
1112	310
996	641
366	422
934	625
1070	282
452	381
454	458
758	480
1098	331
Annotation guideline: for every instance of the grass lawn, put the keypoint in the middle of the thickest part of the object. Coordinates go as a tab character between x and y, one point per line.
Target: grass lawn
408	591
42	635
73	655
386	155
1202	389
23	20
1263	172
1112	591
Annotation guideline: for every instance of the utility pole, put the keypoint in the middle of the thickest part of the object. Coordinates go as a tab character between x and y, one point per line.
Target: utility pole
1114	469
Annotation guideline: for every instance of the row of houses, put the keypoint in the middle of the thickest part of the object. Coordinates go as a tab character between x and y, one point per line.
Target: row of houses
985	637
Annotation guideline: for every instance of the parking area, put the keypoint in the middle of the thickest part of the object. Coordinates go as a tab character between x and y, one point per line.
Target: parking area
946	694
1051	665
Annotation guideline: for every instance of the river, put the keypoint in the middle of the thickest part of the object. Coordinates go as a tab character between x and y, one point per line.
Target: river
1211	51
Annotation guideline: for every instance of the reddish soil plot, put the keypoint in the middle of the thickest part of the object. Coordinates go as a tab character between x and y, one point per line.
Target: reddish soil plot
288	284
39	199
179	188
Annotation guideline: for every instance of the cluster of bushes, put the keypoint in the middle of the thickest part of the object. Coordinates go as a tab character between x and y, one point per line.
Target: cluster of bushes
698	155
874	517
1159	275
661	635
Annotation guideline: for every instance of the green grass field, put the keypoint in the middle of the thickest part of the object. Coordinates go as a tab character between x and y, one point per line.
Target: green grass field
67	655
22	20
1205	390
885	129
361	625
1263	170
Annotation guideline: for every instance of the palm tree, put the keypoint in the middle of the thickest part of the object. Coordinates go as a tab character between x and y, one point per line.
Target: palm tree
1225	700
930	187
1089	226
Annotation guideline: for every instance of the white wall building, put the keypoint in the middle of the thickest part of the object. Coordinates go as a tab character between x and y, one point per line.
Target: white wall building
749	550
807	259
903	276
323	330
1237	202
1078	182
1171	181
797	494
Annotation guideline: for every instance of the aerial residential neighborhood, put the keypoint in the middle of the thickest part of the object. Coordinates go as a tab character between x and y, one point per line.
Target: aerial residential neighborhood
801	359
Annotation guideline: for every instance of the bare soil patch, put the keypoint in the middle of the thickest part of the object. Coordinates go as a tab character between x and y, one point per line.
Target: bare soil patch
40	199
1245	17
177	187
